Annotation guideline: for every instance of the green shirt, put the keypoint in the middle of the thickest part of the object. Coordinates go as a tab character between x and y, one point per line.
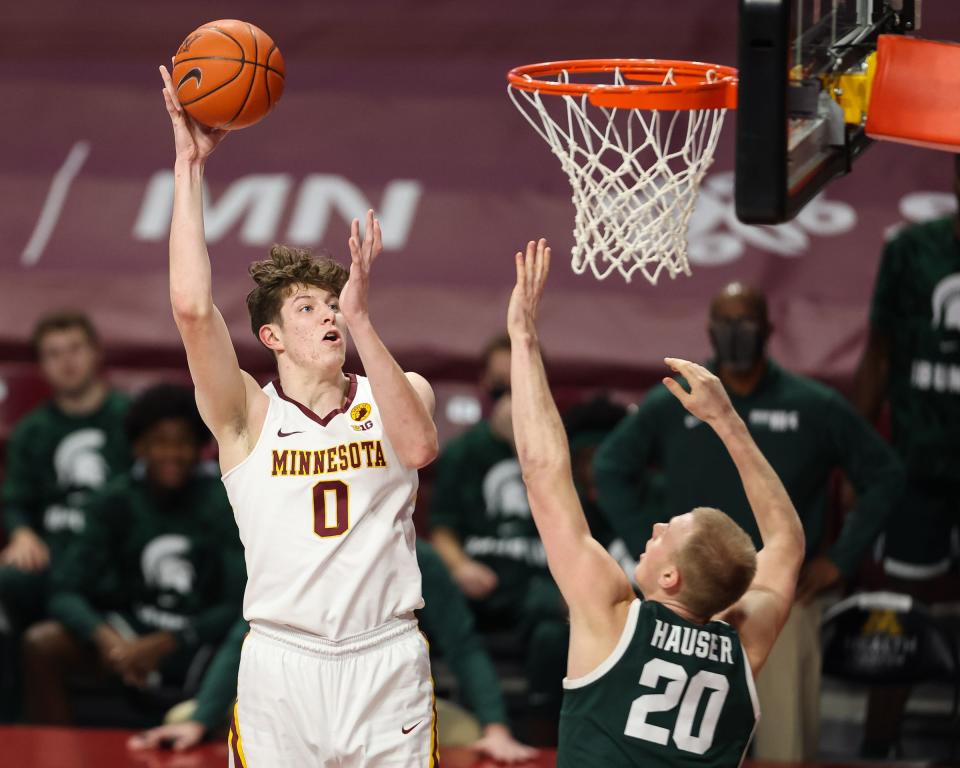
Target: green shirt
480	495
168	562
445	618
672	693
54	461
916	305
448	623
803	428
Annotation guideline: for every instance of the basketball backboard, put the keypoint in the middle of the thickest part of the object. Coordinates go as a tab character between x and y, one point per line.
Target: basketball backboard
805	70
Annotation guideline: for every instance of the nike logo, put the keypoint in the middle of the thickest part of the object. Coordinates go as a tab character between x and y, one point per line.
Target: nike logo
194	74
281	433
405	731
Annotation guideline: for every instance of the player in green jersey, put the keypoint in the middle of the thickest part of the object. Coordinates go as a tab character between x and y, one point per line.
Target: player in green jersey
669	680
912	360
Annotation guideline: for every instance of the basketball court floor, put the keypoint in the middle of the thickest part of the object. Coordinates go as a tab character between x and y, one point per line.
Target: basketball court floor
76	748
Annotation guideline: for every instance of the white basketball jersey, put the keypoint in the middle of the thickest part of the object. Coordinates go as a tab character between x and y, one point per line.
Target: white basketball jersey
324	509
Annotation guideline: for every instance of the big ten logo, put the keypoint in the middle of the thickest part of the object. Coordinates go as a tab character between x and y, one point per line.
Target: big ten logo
359	413
257	204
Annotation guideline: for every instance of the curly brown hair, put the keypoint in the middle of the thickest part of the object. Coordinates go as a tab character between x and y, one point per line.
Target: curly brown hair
280	274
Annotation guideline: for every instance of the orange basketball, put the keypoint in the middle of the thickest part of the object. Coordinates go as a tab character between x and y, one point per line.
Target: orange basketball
228	74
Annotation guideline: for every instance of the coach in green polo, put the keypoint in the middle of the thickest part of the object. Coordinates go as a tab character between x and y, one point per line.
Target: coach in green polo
805	430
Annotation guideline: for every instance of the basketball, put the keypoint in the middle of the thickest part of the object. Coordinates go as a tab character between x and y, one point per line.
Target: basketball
228	74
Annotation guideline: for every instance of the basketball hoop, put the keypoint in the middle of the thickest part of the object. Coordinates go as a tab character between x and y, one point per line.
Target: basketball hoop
635	171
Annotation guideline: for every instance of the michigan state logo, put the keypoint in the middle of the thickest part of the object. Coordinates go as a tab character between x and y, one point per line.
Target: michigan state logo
946	303
360	413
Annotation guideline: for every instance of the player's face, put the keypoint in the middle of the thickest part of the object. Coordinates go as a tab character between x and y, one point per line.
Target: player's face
69	361
496	377
170	453
313	331
660	553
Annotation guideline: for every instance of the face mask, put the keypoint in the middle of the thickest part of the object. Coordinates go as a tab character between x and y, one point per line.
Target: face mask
497	390
737	344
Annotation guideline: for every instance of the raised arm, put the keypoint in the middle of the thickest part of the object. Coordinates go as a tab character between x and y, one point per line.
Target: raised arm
406	399
589	578
226	396
760	614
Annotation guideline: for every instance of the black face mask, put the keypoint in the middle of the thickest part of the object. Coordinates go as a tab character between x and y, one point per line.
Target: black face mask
497	390
738	344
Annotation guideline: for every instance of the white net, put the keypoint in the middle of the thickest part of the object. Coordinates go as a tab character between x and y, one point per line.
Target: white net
635	176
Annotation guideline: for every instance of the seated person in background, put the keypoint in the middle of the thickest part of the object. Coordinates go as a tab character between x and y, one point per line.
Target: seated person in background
479	504
447	622
211	707
57	454
155	579
481	527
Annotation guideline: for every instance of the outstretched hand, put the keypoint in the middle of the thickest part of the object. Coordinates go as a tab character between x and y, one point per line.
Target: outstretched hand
193	142
707	399
532	269
178	737
363	252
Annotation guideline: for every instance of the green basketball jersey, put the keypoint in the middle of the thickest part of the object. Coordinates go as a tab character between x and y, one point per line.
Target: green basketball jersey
916	305
672	693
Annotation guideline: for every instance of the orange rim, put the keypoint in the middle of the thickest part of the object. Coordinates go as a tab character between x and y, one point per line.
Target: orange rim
697	85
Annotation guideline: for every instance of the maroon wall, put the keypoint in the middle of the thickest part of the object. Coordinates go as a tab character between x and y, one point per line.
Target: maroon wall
403	105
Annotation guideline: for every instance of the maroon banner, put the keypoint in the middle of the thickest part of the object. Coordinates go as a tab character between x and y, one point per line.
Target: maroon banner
402	106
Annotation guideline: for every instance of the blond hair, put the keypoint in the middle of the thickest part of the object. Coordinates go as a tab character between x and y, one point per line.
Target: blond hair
279	274
716	564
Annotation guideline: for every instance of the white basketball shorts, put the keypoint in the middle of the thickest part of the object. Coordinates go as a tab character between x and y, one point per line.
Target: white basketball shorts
307	702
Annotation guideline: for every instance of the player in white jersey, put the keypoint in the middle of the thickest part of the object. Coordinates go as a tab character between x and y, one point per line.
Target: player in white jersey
321	469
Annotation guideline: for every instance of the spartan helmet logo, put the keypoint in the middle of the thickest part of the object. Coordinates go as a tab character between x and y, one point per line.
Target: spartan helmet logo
78	460
165	567
504	493
946	303
360	411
